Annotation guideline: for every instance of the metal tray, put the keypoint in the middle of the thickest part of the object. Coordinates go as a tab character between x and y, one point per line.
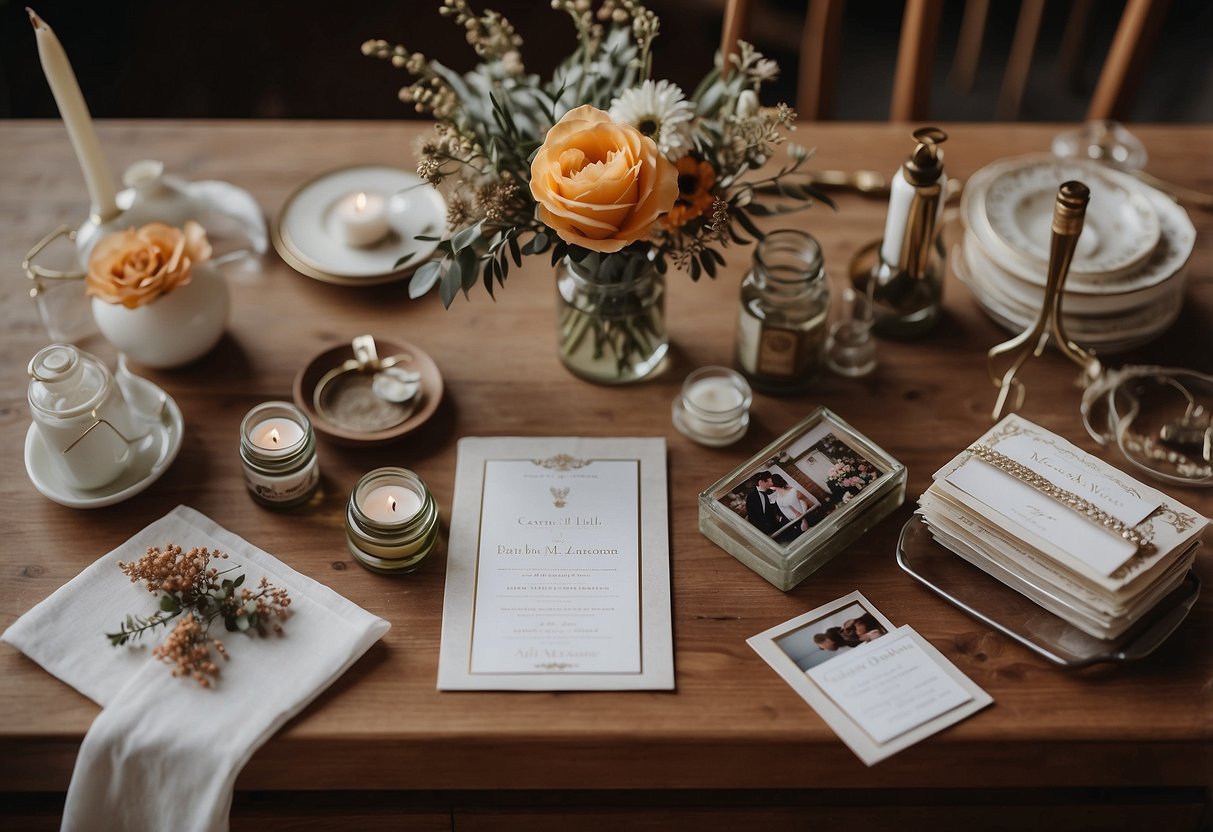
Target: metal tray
960	583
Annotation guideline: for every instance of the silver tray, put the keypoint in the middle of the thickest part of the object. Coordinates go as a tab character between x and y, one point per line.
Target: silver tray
960	583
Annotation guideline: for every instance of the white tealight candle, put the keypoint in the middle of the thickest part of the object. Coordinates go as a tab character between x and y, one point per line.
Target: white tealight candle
362	219
715	395
391	504
276	434
714	406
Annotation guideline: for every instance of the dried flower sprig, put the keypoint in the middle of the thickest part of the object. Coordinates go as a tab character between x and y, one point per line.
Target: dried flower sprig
189	586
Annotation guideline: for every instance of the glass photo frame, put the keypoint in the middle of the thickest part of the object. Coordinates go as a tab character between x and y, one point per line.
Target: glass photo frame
802	499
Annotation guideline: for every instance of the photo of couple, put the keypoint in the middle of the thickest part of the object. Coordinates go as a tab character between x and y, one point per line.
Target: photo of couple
800	486
819	641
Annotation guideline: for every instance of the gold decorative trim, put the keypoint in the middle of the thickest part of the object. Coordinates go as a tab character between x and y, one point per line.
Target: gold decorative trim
1067	498
562	462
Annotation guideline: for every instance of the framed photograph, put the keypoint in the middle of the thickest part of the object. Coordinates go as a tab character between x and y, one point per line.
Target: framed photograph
802	498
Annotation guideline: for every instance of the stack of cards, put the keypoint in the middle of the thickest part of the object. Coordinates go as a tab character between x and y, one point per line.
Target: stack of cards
1080	538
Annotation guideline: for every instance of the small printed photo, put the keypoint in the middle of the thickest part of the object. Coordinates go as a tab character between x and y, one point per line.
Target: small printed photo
825	638
794	490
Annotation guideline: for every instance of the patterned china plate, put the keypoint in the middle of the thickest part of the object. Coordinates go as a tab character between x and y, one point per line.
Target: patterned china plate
1120	231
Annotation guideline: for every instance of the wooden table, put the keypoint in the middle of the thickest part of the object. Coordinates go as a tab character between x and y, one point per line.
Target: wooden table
733	744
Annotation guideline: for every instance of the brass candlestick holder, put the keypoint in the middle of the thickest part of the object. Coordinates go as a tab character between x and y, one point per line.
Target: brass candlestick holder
1068	214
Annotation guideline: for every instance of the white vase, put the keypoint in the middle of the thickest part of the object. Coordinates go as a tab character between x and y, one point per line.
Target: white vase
175	328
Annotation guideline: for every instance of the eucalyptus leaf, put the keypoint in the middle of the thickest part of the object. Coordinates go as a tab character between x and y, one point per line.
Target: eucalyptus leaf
424	278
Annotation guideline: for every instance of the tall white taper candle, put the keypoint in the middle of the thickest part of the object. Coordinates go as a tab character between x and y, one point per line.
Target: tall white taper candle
62	80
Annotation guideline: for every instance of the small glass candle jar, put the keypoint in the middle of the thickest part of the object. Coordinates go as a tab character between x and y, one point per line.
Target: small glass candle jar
278	449
714	406
781	325
391	522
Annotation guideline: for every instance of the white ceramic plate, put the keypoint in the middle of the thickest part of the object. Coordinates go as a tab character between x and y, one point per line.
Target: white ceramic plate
1120	230
153	456
305	234
1079	304
1106	335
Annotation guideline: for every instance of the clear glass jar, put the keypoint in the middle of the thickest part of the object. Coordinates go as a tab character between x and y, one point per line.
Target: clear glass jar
781	325
610	318
278	449
391	522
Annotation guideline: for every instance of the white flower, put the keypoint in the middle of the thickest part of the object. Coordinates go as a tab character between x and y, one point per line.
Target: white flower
764	70
659	110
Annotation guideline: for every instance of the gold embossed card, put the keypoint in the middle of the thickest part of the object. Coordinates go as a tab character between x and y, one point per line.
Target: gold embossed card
558	567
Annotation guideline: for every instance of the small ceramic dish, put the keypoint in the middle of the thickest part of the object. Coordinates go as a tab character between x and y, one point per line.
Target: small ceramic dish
305	235
349	412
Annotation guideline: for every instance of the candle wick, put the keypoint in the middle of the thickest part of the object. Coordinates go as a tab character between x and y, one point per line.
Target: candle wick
274	436
360	203
392	500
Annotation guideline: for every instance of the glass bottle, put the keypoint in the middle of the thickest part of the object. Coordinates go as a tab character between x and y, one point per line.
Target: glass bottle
781	325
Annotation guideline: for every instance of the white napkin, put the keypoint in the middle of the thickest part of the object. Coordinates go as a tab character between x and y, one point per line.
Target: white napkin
164	753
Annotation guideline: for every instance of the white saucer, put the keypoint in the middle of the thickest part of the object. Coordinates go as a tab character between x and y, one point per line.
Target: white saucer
303	231
153	456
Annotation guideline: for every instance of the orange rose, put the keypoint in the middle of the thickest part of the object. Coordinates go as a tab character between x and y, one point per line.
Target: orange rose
136	266
600	185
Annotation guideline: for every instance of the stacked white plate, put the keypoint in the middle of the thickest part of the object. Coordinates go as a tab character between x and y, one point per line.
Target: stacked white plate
1126	282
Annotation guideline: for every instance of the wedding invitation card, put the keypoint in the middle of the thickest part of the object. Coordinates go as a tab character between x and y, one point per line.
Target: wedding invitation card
558	567
880	688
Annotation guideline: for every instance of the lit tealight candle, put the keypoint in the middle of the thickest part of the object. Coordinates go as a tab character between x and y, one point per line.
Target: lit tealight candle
391	521
278	453
390	504
276	434
362	219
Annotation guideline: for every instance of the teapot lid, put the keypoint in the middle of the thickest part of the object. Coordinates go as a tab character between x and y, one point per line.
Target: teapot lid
65	381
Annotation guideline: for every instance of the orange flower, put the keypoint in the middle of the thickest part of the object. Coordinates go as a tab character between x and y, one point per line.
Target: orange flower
134	267
600	185
695	181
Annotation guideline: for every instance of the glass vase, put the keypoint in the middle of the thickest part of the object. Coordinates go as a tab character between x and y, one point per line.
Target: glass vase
610	318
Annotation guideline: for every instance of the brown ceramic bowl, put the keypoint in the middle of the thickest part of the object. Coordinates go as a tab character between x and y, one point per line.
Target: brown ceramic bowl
346	434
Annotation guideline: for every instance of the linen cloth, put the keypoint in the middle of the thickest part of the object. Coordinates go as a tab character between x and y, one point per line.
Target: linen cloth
164	753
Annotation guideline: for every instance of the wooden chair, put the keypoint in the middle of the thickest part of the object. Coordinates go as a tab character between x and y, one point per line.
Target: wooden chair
822	36
819	53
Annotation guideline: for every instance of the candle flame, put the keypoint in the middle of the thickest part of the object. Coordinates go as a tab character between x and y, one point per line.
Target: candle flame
392	502
274	437
360	203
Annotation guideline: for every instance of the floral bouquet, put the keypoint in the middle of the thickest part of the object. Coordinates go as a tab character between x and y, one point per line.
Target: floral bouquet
850	478
616	174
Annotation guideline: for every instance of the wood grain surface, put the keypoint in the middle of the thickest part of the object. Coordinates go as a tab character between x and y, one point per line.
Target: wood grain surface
731	723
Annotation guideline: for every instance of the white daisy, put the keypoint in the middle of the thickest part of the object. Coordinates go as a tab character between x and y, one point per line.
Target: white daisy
659	110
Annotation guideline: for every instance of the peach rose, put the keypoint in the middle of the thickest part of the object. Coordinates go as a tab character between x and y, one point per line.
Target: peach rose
136	266
599	184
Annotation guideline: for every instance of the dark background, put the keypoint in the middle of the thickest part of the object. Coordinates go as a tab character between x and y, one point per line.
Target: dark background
269	59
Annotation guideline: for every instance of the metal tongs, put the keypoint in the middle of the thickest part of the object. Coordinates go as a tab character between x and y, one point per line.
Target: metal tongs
1068	214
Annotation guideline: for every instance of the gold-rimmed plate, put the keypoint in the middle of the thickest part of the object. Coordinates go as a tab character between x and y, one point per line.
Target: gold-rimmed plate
304	231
